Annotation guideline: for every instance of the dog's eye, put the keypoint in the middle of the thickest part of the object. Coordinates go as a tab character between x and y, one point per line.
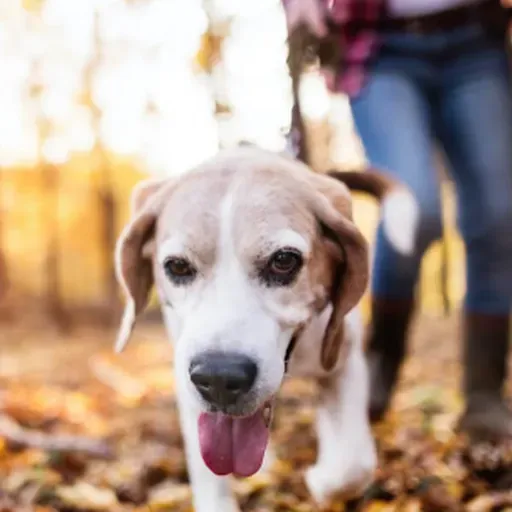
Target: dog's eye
282	267
283	262
179	270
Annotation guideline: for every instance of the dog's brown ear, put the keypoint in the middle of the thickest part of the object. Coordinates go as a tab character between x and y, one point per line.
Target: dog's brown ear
133	263
333	208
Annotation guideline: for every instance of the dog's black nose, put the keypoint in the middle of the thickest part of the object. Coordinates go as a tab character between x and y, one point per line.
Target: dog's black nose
222	377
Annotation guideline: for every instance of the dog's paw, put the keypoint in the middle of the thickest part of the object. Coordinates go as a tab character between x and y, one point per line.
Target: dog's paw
343	479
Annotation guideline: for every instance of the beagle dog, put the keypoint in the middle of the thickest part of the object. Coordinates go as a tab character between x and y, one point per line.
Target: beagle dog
259	269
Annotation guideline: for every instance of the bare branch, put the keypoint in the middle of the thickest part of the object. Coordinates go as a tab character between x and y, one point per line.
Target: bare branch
15	434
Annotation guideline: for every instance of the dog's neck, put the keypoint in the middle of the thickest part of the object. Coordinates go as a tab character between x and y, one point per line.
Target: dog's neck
305	359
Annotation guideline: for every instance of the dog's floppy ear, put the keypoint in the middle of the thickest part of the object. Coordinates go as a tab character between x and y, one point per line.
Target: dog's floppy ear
133	263
332	206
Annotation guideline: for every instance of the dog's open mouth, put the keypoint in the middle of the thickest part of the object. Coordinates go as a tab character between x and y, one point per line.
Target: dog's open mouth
234	444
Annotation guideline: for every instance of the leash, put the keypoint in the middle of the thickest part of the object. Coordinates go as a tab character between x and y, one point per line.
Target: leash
300	42
303	48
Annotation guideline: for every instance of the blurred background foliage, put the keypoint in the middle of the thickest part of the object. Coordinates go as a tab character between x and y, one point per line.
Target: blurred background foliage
98	94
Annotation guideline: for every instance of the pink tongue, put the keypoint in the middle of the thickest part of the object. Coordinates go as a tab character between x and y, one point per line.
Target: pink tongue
233	445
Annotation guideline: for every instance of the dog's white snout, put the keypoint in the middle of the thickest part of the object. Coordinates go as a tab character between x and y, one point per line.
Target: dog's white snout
223	378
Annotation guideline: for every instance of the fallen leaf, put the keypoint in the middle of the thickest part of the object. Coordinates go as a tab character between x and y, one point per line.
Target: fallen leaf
487	502
168	494
85	496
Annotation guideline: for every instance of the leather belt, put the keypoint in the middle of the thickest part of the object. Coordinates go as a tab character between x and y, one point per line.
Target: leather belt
442	21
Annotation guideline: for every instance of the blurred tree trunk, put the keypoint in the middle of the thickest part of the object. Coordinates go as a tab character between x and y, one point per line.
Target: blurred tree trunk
4	281
105	193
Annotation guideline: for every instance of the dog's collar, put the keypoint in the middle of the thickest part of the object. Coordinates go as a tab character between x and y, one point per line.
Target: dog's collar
289	351
296	335
291	346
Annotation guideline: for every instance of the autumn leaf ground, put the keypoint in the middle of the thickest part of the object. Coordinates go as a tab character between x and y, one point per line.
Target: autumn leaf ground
73	385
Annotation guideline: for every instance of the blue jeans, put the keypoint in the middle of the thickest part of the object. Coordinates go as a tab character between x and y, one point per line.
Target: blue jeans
451	89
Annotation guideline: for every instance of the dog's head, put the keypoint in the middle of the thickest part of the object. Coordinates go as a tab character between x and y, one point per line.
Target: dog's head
244	252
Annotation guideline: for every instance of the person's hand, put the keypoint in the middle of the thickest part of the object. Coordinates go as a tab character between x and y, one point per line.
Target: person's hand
309	12
507	4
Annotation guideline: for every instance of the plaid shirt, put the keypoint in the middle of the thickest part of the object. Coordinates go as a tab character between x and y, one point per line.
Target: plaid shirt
354	23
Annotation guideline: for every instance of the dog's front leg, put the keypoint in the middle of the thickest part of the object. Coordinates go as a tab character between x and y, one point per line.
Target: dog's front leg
210	493
346	450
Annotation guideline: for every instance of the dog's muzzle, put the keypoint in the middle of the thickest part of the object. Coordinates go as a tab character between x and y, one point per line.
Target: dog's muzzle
231	439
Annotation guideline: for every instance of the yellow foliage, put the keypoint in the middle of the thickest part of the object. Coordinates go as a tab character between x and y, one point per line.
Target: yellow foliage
32	5
28	208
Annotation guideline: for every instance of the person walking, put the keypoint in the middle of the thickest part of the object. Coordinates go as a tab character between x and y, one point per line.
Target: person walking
420	73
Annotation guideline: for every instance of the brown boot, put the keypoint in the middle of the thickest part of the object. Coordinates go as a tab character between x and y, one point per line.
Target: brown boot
486	346
386	346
